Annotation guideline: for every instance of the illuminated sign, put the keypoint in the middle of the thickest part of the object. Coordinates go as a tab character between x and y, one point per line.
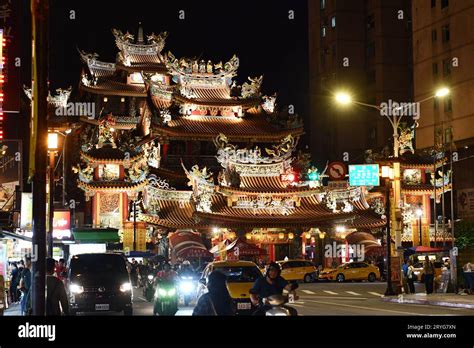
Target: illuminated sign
364	175
62	224
26	216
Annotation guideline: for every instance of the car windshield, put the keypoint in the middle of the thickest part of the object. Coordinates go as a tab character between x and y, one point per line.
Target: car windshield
238	274
104	264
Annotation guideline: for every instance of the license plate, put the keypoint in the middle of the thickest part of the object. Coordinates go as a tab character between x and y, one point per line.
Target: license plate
102	307
244	305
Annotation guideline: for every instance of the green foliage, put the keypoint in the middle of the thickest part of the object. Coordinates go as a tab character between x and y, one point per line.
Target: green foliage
464	233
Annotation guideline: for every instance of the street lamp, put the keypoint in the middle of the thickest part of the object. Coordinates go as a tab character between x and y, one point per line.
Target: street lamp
64	135
442	92
419	213
52	148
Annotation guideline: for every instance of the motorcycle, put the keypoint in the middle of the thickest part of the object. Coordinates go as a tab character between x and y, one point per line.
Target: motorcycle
166	299
149	288
187	288
277	303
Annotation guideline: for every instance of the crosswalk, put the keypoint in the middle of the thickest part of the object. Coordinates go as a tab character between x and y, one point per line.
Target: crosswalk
335	294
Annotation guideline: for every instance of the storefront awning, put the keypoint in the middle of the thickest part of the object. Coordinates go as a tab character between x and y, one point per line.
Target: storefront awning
242	248
194	251
96	235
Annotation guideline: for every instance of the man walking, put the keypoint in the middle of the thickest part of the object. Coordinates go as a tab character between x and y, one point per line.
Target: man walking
25	287
56	297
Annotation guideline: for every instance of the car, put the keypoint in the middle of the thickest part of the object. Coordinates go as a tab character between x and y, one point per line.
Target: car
420	273
294	270
99	282
241	275
353	271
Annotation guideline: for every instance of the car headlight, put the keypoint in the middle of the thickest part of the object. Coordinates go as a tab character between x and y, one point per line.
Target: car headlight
126	287
150	277
186	286
76	289
162	292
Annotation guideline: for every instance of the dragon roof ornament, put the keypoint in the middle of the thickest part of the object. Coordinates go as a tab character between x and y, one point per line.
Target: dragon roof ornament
192	70
124	42
228	154
92	61
59	100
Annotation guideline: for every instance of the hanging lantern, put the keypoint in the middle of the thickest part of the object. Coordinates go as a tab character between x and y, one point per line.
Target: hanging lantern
291	236
248	236
281	235
308	235
322	235
231	235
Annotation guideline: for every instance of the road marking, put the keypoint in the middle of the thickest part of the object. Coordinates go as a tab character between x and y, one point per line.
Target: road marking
336	298
309	292
369	308
299	302
353	293
375	293
330	292
141	298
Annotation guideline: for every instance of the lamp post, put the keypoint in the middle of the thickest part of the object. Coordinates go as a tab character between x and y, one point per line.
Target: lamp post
64	135
52	148
419	213
344	98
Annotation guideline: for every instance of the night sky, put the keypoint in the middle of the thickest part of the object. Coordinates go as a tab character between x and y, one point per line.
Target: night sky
259	32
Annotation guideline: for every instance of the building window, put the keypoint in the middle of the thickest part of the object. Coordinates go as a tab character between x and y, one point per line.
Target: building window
448	135
446	67
370	22
433	3
434	35
322	4
323	31
444	3
448	105
435	69
333	22
435	103
445	32
370	49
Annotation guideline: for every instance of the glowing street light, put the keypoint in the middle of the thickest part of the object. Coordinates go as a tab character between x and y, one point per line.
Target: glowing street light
52	141
442	92
343	98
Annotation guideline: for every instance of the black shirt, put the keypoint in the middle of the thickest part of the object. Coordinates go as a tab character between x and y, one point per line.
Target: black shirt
264	289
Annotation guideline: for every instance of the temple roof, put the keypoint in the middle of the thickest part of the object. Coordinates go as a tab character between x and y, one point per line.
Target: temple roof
111	186
109	155
113	87
254	128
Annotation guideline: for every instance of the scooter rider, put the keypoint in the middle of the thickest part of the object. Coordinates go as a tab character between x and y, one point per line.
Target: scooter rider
271	284
167	274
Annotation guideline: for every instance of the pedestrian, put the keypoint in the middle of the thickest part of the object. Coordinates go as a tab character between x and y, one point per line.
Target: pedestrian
61	269
217	300
14	281
25	287
428	271
381	266
56	298
411	277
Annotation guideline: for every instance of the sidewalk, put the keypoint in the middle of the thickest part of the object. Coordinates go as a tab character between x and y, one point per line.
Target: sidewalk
444	300
13	310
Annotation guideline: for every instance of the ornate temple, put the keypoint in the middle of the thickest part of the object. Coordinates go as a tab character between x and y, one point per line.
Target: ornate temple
199	153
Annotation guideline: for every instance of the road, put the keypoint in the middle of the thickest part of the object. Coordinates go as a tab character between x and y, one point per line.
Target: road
338	299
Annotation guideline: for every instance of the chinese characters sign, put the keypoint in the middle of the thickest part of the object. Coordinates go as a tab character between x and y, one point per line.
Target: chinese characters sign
364	175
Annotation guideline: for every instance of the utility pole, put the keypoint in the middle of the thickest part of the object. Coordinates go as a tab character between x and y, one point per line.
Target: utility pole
38	149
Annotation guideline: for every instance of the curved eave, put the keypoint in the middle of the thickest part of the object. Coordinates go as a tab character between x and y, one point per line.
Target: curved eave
223	103
112	91
114	187
229	191
425	190
92	159
275	136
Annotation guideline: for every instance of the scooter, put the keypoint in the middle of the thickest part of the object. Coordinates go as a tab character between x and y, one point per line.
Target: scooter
187	288
277	303
166	299
149	288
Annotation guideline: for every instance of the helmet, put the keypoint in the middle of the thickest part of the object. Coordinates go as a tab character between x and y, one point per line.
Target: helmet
273	265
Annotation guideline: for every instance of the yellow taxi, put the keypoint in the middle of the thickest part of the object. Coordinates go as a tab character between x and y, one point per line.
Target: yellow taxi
352	271
420	273
293	270
241	275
